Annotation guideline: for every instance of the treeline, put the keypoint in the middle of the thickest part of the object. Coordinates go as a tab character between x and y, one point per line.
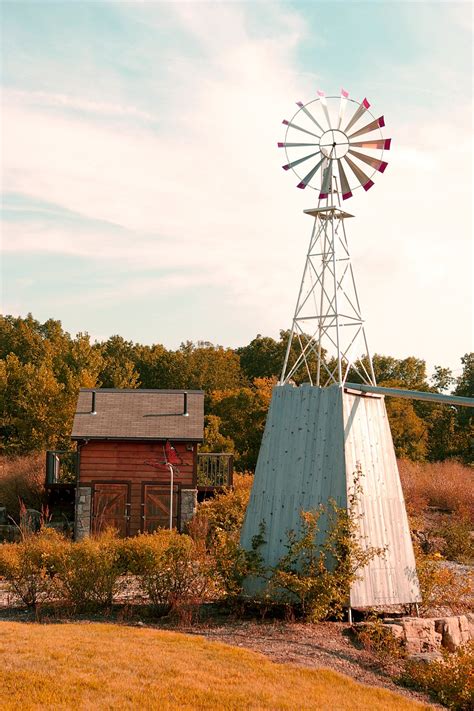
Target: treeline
42	368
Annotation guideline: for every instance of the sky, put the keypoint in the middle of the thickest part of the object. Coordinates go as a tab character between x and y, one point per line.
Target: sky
142	190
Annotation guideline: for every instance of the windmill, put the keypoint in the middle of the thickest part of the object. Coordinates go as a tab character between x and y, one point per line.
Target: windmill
323	437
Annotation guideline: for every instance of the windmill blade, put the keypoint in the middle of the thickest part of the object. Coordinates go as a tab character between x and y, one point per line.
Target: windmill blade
378	123
294	145
363	179
310	115
342	106
293	125
304	182
300	160
346	189
383	143
327	182
360	111
379	165
324	104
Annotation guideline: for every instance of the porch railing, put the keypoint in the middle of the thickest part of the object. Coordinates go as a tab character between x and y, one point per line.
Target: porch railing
61	467
214	470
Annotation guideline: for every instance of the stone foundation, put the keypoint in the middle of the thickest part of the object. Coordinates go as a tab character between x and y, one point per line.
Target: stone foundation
188	507
82	523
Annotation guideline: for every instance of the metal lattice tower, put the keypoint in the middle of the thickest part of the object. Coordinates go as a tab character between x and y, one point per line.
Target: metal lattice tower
328	318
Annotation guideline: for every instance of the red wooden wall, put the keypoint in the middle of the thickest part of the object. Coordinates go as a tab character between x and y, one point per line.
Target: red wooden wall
135	463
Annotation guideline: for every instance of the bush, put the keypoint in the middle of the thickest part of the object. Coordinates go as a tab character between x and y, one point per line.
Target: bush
442	587
21	480
226	511
175	573
449	681
317	577
89	571
379	640
30	568
459	544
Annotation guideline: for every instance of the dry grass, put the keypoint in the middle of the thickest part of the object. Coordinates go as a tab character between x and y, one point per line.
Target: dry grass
21	478
446	485
100	666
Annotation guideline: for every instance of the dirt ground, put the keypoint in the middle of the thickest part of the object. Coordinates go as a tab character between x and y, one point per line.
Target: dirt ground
324	645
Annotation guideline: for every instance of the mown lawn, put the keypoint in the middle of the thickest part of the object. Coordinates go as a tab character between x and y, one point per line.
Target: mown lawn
107	666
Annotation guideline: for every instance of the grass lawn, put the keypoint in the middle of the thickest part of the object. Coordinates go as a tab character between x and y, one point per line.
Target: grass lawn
107	666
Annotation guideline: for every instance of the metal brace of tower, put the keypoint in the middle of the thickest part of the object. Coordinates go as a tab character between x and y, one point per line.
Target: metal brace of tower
328	435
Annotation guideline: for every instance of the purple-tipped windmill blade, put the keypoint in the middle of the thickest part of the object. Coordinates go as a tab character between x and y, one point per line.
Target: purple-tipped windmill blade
340	152
363	179
378	123
360	111
345	187
295	145
298	128
383	143
342	107
324	104
309	115
300	160
327	181
304	182
379	165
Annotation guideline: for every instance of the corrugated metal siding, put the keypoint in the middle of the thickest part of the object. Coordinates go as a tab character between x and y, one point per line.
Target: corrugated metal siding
300	464
390	579
312	437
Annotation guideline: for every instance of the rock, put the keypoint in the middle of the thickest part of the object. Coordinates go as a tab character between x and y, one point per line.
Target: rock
454	631
426	657
421	635
470	622
396	630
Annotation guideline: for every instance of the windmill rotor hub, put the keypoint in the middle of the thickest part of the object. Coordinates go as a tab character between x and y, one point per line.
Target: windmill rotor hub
334	144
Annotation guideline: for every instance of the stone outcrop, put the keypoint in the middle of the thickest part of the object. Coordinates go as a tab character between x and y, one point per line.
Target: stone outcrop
425	637
454	631
420	635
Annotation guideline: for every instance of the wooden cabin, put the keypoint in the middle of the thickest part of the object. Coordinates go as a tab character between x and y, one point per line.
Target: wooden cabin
137	464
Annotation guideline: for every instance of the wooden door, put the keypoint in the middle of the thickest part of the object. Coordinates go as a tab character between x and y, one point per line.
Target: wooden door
156	507
110	508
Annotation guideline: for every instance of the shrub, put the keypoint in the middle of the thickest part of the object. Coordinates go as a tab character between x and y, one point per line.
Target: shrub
226	510
379	640
449	681
233	564
29	567
89	571
442	587
317	576
173	571
21	480
459	544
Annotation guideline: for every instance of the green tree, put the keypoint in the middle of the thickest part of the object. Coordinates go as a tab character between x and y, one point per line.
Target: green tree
36	409
118	369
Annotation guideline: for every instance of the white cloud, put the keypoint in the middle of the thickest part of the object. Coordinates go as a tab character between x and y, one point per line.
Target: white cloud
206	196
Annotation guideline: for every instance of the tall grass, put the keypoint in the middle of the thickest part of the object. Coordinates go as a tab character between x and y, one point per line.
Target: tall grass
448	486
22	480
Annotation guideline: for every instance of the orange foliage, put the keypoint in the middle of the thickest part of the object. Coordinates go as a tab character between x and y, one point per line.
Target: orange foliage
446	485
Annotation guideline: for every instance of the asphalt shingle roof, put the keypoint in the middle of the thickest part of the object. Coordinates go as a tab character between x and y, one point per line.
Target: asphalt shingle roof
139	414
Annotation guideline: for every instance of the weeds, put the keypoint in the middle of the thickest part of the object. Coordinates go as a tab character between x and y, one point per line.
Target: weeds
442	587
449	681
448	486
380	641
